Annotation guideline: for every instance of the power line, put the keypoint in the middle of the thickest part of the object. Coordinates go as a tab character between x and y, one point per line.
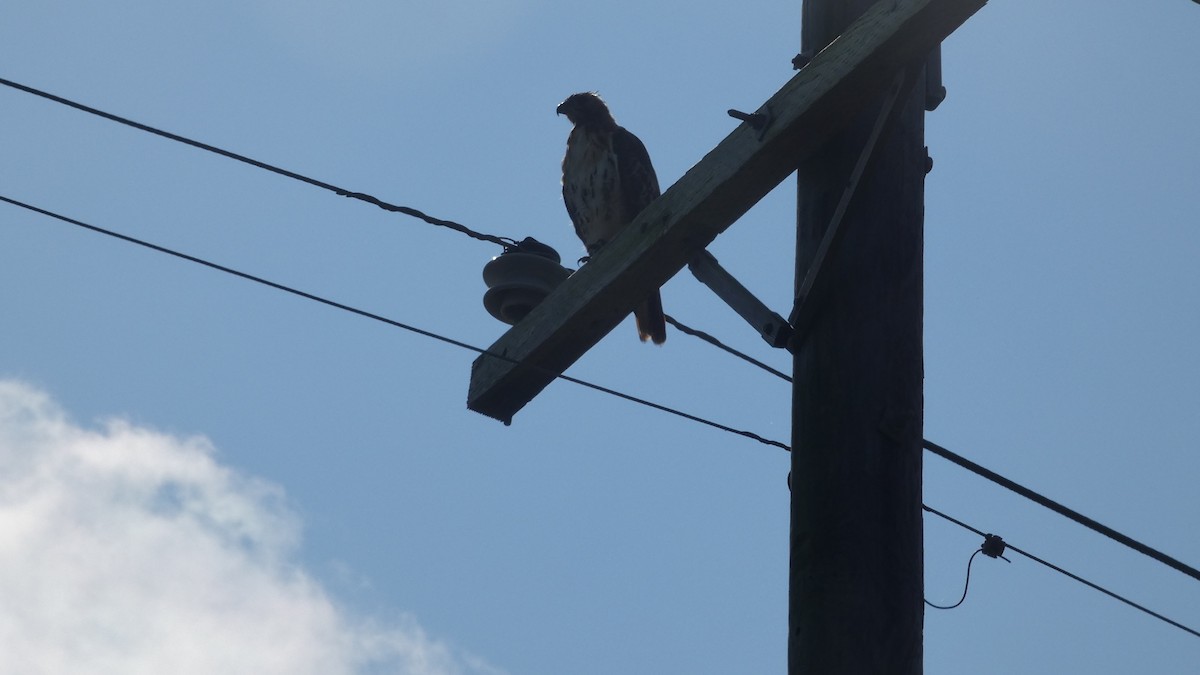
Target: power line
929	445
390	322
502	241
688	330
1064	572
1062	510
992	476
408	211
606	390
508	242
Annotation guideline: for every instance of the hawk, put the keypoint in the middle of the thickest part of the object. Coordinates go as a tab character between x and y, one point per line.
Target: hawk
607	181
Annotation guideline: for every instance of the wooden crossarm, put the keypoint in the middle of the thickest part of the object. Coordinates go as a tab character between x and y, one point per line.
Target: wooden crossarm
852	71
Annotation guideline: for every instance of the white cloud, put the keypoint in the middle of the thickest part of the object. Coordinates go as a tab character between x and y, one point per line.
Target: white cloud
124	550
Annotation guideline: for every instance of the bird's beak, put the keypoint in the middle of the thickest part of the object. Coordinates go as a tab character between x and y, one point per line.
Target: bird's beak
559	109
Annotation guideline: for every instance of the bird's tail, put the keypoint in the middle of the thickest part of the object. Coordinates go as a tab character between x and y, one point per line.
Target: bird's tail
651	323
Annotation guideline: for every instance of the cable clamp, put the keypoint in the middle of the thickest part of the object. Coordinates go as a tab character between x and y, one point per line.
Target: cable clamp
993	546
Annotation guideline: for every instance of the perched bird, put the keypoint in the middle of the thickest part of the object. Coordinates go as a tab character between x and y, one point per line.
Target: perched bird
607	181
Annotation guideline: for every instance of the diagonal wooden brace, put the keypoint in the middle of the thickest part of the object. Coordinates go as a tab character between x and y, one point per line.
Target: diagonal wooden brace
812	289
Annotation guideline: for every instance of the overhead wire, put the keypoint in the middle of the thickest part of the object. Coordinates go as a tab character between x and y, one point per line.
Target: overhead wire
509	242
469	347
1066	573
992	476
688	330
376	317
1058	508
506	242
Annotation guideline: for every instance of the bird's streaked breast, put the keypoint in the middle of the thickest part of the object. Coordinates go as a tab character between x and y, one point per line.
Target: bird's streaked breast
591	187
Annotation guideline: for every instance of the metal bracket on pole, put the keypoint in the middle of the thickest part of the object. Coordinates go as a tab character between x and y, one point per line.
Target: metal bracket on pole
807	297
770	325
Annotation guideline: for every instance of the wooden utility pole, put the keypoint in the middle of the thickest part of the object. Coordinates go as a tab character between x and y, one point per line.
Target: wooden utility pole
856	580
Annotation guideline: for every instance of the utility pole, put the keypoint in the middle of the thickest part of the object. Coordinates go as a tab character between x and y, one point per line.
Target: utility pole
856	576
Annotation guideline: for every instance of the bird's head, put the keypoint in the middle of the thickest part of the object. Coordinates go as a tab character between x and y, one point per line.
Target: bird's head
586	109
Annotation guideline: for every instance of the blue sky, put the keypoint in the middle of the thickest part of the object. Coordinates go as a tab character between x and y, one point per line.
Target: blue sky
201	473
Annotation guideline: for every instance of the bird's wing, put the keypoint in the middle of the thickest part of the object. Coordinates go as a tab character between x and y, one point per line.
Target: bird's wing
639	184
569	201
